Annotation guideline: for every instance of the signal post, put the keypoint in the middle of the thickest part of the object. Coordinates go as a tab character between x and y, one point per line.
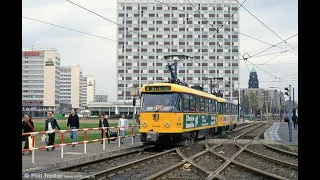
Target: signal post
288	93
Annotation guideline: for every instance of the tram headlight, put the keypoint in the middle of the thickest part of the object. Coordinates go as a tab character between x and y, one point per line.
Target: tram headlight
166	124
144	124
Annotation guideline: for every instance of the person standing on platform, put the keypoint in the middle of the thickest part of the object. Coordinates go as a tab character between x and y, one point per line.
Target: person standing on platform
123	124
295	120
103	122
73	121
27	126
50	125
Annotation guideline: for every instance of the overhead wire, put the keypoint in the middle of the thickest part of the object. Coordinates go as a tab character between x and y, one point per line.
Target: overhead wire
241	5
273	45
271	64
266	26
118	24
226	21
265	71
265	55
63	27
202	17
223	25
215	28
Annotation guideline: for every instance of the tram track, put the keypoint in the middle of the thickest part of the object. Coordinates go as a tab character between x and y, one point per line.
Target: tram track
227	159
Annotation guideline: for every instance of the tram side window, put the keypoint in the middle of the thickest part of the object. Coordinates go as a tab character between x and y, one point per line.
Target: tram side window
202	104
220	108
214	106
192	103
205	104
186	102
198	104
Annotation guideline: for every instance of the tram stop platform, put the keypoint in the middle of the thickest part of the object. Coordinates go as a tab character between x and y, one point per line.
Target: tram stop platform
44	159
279	132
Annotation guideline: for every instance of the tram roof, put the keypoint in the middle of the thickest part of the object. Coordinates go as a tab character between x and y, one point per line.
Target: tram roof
182	89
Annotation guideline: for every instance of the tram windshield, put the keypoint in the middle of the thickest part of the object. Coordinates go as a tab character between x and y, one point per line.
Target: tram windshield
160	102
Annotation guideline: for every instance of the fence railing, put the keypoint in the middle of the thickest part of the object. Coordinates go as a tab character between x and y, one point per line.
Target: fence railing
85	141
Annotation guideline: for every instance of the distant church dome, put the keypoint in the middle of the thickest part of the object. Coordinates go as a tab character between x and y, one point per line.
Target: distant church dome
253	79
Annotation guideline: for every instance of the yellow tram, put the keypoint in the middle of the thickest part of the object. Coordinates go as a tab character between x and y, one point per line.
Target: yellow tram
174	113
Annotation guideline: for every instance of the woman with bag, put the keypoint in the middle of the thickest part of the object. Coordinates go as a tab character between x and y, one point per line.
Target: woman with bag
27	126
103	122
50	125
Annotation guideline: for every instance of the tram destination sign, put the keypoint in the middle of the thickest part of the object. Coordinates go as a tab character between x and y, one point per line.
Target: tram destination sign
157	88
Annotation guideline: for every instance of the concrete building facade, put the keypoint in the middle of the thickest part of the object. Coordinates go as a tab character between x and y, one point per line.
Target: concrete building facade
152	30
88	89
84	91
40	81
71	86
101	98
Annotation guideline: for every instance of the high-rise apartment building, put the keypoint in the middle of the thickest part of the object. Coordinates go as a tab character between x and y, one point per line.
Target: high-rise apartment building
70	86
88	89
150	30
84	91
40	81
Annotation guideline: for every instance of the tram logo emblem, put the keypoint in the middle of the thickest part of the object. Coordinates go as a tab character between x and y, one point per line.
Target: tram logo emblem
155	117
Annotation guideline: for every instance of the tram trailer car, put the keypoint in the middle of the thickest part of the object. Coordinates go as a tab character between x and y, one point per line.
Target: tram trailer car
176	114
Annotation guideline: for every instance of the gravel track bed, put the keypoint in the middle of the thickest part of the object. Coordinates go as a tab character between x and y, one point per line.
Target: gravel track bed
148	169
260	130
193	149
212	144
268	166
115	162
182	174
256	132
237	133
273	153
227	150
209	161
235	172
283	147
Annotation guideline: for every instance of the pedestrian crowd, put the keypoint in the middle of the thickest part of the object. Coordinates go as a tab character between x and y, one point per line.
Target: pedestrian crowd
73	122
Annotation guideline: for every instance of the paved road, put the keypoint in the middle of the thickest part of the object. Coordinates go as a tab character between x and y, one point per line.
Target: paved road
280	132
49	159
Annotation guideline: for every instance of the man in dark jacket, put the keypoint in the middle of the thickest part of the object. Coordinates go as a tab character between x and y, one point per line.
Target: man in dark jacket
295	120
103	122
27	126
50	125
73	121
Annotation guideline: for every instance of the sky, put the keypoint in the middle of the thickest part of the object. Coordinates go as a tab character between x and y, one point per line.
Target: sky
97	55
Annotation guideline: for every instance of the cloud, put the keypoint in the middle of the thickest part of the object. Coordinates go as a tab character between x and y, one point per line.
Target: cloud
98	56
